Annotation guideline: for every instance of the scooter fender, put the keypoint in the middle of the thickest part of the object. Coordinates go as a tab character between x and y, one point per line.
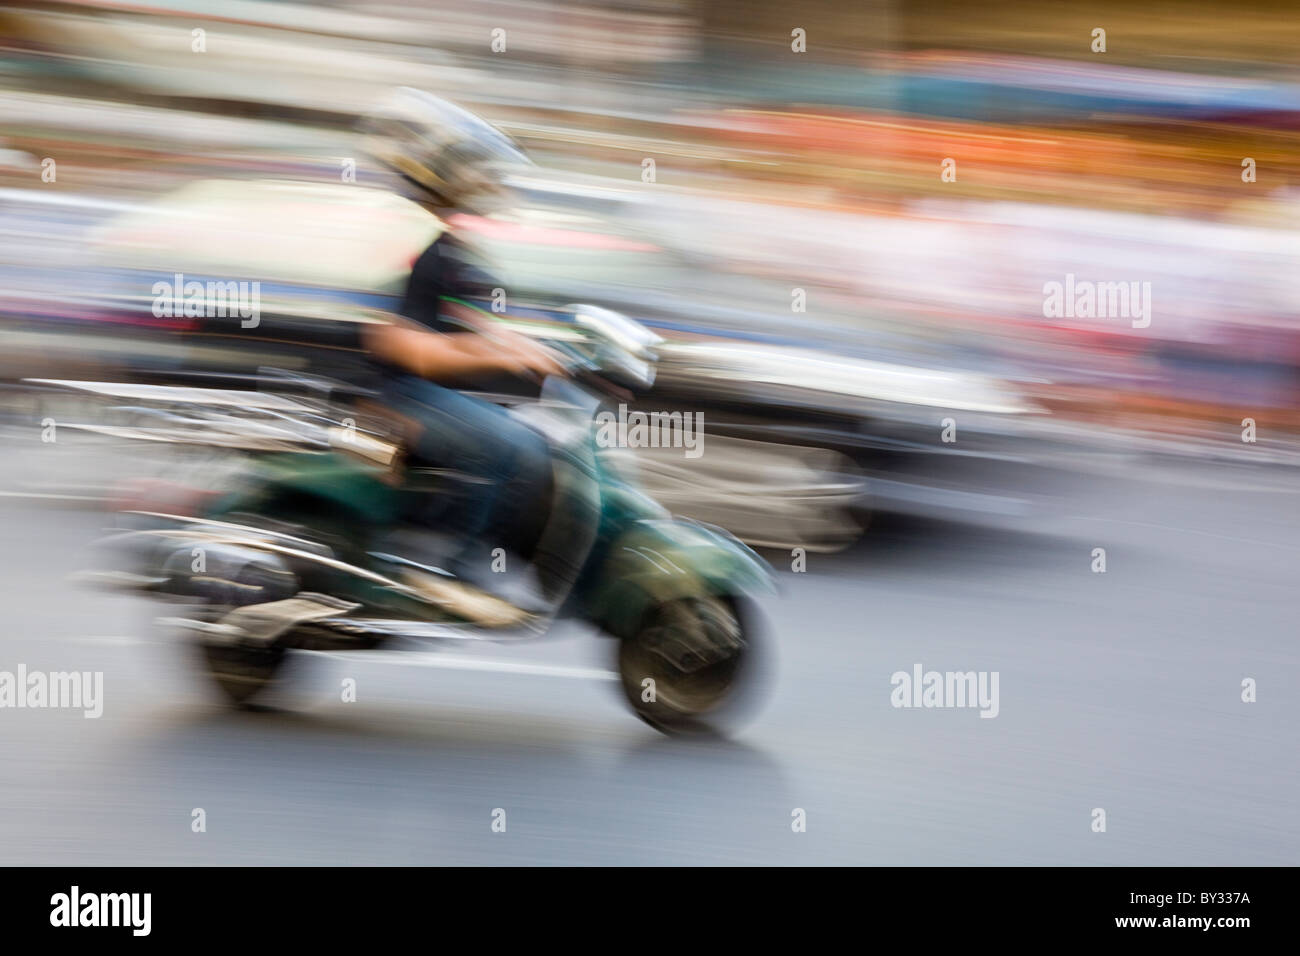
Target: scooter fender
666	559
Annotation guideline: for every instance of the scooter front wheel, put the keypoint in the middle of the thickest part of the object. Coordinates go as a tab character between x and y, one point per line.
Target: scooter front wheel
694	666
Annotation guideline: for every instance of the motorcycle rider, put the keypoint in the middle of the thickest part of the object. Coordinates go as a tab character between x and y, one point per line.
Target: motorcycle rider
449	165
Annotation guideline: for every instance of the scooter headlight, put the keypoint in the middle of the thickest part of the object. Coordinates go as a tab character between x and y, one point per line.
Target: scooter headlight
625	349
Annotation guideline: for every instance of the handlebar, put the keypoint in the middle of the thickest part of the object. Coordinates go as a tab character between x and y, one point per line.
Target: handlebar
586	371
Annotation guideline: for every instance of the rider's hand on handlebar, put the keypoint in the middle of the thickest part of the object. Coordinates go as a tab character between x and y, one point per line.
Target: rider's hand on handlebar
525	356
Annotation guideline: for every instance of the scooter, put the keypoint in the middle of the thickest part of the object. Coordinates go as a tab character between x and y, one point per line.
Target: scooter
297	554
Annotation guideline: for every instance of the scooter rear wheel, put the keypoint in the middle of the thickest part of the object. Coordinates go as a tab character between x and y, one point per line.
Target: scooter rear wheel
242	672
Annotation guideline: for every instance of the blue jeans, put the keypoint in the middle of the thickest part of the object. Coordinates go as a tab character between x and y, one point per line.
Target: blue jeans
511	462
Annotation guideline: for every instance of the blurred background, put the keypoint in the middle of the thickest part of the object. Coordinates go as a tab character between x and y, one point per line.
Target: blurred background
843	219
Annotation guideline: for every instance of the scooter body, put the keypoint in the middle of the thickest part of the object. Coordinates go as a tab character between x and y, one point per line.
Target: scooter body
293	558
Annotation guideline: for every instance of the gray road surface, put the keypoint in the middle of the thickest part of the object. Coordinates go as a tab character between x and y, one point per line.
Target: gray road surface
1119	691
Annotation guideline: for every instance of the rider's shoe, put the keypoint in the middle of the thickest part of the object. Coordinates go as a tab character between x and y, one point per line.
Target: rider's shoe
465	600
518	586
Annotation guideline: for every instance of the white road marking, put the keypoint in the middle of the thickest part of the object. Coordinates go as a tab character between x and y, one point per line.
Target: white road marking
433	659
49	496
119	640
410	658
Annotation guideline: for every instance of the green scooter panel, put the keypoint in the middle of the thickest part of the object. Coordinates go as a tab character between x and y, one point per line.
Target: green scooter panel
661	560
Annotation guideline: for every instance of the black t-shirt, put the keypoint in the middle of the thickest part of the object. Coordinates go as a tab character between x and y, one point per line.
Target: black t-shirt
446	268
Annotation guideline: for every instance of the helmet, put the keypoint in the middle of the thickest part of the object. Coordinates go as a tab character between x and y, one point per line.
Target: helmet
451	156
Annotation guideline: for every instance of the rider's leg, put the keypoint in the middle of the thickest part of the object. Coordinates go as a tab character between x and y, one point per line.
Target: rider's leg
510	461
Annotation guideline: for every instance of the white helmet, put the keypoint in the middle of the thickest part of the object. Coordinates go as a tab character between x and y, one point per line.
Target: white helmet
455	158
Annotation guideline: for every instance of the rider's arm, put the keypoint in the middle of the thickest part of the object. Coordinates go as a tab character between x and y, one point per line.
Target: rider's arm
431	355
437	355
